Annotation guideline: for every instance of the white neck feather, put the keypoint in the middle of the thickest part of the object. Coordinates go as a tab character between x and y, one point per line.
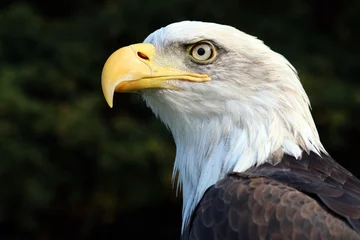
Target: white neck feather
208	149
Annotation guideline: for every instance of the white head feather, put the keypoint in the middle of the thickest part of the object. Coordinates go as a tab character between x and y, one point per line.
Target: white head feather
252	111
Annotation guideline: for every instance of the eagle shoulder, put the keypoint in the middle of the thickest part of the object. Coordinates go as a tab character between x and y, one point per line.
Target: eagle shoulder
267	203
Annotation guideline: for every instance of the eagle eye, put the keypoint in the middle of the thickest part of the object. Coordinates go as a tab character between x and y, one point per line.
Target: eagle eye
202	51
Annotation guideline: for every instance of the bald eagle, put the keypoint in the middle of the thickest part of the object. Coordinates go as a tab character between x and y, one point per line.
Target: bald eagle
249	159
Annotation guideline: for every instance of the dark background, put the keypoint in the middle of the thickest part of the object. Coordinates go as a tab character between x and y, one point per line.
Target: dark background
72	168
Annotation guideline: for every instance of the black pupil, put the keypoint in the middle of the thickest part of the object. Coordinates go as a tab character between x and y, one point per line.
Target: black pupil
201	51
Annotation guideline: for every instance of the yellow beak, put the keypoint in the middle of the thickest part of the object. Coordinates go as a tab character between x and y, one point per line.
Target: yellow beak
132	68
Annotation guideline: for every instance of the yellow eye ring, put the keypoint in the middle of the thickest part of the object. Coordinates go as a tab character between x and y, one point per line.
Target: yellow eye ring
203	51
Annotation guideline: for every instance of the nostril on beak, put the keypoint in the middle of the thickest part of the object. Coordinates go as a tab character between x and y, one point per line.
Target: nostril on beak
143	56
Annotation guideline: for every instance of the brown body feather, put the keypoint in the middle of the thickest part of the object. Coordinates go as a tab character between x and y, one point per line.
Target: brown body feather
311	198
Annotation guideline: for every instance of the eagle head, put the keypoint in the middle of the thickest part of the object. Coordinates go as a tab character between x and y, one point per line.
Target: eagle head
228	99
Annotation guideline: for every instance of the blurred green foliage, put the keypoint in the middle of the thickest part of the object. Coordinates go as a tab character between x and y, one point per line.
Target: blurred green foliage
70	167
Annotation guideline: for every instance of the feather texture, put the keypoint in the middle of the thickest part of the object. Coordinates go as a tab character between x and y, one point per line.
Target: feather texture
311	198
